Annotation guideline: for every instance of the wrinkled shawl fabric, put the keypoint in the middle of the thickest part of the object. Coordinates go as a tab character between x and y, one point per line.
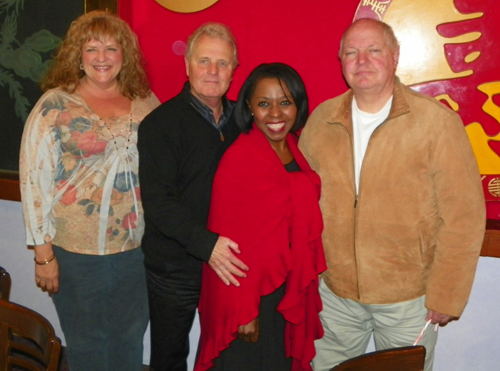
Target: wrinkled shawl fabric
275	218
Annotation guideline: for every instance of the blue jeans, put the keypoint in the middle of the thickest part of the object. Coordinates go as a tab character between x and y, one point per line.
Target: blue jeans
103	309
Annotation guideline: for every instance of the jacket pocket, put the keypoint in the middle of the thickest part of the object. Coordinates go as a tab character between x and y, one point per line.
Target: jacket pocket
389	244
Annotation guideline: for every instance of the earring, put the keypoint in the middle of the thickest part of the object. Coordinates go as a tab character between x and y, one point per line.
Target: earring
251	113
81	66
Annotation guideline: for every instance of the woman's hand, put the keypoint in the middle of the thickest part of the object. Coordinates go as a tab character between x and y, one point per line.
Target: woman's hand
46	275
250	331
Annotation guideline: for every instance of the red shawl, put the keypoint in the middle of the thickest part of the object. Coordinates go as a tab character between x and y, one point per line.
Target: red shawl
275	218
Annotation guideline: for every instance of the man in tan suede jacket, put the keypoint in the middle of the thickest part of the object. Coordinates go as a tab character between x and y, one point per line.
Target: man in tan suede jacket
402	204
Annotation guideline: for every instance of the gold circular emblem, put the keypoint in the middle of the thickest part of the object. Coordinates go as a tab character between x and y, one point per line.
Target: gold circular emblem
186	6
494	187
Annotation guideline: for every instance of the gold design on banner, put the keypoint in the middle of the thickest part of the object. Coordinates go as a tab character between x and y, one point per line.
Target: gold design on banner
472	57
494	187
487	159
446	97
186	6
423	58
378	7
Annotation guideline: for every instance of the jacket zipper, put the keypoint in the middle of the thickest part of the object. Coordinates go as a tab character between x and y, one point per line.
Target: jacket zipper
355	199
356	190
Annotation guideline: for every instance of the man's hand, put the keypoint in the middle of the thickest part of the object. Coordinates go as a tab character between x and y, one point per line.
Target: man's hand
250	331
437	317
46	275
225	263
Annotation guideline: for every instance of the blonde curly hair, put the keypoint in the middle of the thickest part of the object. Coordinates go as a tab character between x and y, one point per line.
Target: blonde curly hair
65	72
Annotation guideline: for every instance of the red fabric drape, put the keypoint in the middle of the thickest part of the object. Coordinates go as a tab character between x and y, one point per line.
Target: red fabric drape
274	217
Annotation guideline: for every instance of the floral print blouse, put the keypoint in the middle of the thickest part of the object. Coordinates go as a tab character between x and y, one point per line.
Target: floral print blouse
79	175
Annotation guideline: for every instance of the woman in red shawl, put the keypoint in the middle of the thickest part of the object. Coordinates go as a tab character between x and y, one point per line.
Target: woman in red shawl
265	197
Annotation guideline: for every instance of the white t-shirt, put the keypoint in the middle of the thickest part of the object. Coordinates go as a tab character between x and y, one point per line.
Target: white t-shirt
364	124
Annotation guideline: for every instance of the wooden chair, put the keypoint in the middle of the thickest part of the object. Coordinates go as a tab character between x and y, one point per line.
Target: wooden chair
27	340
395	359
4	284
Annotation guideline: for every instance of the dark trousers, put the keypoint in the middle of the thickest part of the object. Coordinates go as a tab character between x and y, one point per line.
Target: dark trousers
173	294
268	353
103	310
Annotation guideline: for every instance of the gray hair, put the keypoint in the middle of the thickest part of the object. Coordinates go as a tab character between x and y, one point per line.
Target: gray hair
216	30
389	36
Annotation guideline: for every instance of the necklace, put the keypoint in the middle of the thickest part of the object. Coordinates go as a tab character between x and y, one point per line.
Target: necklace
127	141
91	95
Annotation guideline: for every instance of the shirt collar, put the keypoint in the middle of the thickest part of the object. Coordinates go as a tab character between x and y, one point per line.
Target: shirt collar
207	112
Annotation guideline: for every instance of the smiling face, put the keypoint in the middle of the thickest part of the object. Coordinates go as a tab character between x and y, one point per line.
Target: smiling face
102	62
274	109
210	69
368	62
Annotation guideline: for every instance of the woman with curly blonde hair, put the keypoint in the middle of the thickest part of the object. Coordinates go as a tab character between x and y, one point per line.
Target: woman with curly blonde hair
98	25
80	192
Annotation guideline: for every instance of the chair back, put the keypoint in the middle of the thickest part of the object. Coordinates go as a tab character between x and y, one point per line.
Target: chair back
396	359
27	340
4	284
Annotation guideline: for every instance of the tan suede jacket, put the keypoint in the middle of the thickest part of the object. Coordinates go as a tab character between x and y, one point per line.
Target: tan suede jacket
417	225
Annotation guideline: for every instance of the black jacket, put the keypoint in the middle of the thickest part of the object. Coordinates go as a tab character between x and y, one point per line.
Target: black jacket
179	151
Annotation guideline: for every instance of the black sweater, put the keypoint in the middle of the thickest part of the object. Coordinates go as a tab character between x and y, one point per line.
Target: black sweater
179	151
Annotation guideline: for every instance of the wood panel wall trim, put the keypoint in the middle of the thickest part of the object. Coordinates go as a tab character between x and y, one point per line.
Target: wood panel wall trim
491	243
9	185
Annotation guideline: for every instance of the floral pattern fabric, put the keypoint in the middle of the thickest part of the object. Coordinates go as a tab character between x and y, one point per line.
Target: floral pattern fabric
79	175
